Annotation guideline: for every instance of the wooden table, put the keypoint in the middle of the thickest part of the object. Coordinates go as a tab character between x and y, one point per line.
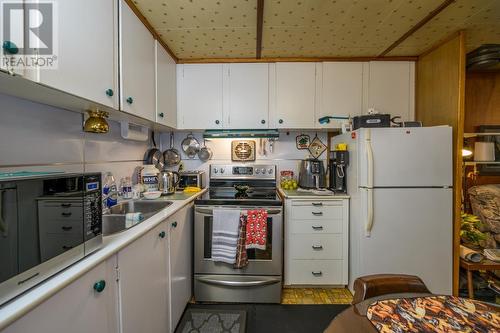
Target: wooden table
485	265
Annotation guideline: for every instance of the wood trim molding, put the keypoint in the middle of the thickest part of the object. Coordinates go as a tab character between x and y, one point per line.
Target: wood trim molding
297	59
442	42
417	26
155	34
260	24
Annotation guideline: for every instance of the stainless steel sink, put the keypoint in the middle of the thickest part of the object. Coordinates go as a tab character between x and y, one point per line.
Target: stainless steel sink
139	206
114	220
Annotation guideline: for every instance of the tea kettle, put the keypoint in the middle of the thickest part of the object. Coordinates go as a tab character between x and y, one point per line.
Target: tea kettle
168	182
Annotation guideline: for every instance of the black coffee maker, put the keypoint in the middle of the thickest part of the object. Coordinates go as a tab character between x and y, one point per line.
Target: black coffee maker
339	160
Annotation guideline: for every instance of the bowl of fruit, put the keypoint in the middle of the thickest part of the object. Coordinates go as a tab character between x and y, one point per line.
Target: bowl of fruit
287	180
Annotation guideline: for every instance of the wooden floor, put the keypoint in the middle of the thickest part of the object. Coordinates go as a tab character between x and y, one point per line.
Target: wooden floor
316	296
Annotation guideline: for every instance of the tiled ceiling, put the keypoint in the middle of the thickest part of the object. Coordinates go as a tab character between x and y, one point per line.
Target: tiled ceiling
315	28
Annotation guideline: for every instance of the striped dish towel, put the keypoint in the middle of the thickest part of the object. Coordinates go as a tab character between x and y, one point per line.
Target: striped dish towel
225	235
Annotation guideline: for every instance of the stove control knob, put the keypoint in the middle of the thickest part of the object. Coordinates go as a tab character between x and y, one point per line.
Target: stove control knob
216	170
270	171
257	171
263	171
222	170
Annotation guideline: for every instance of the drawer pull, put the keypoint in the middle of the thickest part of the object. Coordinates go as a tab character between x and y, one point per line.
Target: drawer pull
317	204
65	228
317	213
66	214
316	227
317	247
66	248
320	273
65	205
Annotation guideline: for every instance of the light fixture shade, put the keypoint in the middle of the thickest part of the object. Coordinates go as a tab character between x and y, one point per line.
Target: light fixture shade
466	152
96	122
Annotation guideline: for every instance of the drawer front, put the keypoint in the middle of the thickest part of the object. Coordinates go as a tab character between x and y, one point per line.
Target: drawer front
71	227
53	244
316	272
60	211
330	226
316	210
323	246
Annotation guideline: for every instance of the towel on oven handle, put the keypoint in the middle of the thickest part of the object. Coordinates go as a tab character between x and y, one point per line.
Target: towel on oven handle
225	235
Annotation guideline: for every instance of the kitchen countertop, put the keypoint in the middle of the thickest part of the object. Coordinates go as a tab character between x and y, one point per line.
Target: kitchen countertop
111	245
294	194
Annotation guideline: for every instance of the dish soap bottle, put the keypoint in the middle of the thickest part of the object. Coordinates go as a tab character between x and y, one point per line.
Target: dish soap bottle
109	191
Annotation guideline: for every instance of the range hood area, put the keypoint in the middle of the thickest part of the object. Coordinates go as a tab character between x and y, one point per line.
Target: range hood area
240	134
485	57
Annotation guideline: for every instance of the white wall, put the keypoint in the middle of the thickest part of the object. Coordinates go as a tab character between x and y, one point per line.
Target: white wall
286	156
38	137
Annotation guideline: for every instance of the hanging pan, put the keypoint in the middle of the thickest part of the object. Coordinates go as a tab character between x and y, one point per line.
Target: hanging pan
154	155
171	155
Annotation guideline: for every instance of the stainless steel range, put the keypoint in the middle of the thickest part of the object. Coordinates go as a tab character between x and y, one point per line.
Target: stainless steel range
239	187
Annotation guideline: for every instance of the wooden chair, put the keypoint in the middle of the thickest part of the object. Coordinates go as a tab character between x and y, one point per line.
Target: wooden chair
381	284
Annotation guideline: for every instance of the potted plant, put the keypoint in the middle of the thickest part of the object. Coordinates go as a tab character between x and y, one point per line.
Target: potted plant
469	231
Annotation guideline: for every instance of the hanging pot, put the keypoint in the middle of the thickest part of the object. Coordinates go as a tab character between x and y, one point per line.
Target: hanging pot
205	153
154	156
190	146
171	155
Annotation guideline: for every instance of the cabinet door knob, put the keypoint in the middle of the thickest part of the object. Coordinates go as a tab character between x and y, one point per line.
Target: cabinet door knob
10	47
280	121
99	286
110	92
174	224
162	234
130	100
161	114
217	122
262	121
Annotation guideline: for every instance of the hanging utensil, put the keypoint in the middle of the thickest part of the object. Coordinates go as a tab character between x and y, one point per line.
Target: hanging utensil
205	153
171	156
153	155
190	146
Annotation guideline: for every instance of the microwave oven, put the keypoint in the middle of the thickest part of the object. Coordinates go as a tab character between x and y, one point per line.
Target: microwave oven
191	178
47	223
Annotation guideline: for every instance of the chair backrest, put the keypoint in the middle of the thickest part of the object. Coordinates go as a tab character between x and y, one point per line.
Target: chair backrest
382	284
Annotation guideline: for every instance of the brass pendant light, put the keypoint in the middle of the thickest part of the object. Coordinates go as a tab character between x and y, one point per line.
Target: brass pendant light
96	122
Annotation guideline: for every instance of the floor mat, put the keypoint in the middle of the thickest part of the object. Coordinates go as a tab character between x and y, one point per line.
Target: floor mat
212	320
276	318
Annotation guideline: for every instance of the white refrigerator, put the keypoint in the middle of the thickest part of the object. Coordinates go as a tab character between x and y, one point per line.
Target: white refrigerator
401	210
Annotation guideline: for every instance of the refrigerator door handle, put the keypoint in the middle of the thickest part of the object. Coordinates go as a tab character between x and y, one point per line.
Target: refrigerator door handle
369	183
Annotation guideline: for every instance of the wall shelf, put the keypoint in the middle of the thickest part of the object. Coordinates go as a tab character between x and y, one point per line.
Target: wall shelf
473	135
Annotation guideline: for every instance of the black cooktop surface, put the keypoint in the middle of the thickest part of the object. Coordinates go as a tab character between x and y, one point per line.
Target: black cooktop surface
230	196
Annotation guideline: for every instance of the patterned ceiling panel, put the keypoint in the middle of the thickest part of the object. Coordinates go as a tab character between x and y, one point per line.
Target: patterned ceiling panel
204	28
315	28
479	18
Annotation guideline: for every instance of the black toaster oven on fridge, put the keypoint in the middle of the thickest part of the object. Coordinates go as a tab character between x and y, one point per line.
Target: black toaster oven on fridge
47	222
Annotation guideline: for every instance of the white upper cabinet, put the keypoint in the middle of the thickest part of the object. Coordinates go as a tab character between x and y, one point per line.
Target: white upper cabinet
248	96
144	284
87	51
295	95
88	304
199	96
137	66
391	88
339	91
166	88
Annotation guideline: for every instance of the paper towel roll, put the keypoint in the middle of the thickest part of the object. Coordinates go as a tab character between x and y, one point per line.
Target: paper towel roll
484	151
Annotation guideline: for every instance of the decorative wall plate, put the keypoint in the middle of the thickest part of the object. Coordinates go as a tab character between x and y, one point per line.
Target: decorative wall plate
302	141
317	147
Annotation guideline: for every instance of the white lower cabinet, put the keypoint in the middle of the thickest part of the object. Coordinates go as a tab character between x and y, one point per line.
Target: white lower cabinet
144	283
81	307
316	241
181	261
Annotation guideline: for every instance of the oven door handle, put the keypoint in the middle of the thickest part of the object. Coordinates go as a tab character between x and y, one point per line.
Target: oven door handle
228	283
210	212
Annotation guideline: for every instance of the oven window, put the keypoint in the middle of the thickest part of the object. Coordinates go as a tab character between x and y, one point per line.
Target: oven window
253	254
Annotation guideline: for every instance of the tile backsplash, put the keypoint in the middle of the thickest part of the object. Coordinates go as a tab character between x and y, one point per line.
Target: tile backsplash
285	154
38	137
